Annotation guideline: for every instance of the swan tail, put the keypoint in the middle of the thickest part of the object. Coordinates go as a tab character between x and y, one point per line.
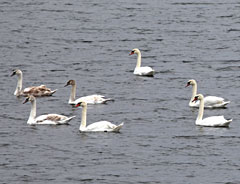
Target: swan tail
225	103
226	124
151	73
109	99
66	121
117	128
54	91
220	105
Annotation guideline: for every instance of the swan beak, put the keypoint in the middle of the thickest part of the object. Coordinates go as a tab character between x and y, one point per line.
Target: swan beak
14	73
77	105
131	53
195	100
65	85
187	85
25	101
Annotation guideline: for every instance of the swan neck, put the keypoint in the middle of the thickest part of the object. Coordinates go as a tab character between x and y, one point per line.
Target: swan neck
19	85
73	94
194	91
138	60
84	118
201	110
32	115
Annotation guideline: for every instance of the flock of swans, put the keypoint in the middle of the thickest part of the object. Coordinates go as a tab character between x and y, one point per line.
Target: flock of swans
197	100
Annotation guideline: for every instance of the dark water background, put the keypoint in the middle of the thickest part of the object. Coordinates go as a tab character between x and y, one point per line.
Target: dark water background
89	41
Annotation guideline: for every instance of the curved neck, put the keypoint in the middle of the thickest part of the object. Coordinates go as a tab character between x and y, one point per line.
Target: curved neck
138	60
201	110
32	115
73	94
19	85
84	118
194	91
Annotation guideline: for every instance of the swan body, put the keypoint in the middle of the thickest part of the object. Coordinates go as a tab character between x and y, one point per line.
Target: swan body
146	70
33	90
209	101
91	99
100	126
143	71
213	121
48	119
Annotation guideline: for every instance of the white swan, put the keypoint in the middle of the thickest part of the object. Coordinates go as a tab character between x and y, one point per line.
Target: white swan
101	126
209	101
213	121
48	119
143	71
91	99
34	90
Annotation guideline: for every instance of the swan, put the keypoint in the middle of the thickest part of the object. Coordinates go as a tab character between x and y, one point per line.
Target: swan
48	119
100	126
213	121
91	99
143	71
33	90
209	101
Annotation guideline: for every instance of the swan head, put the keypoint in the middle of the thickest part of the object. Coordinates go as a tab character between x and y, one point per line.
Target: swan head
134	51
16	72
70	82
191	82
198	97
82	104
29	98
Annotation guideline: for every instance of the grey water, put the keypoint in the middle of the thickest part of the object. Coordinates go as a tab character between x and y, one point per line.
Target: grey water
89	41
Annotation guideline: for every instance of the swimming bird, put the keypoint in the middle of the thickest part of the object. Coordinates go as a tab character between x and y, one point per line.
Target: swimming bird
213	121
142	71
209	101
100	126
48	119
91	99
33	90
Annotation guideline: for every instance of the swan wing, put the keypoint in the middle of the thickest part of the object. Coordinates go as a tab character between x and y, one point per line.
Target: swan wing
214	121
92	99
98	96
144	71
38	91
102	126
210	102
52	119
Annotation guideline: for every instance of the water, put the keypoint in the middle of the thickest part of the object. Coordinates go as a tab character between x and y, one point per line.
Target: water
89	41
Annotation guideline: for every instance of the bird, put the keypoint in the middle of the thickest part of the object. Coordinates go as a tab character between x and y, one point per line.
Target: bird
91	99
47	119
100	126
36	91
209	101
142	71
213	121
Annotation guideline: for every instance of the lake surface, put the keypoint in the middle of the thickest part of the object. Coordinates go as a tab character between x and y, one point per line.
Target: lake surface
89	41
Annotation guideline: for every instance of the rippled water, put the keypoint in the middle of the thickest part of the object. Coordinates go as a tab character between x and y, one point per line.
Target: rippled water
89	41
